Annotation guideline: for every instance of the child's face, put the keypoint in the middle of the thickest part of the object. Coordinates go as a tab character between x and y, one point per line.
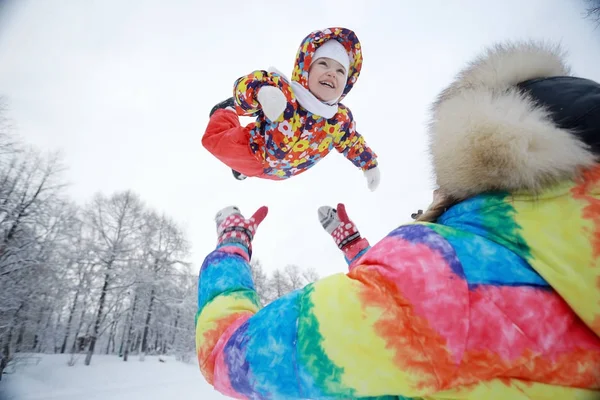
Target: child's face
326	79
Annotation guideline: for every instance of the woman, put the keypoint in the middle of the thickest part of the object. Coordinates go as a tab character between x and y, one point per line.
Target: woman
494	293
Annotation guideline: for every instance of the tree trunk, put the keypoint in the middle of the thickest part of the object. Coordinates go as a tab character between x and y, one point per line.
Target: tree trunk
147	325
130	327
54	336
106	351
111	337
175	328
6	354
112	349
20	338
94	337
69	322
74	347
123	336
44	332
36	338
138	342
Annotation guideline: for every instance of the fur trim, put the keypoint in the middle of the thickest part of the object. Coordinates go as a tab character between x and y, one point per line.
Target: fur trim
485	134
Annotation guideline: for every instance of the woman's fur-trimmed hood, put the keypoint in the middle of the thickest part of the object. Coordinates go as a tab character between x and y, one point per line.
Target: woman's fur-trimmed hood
486	134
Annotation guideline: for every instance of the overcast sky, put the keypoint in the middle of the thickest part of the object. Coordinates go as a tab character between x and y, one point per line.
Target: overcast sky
124	88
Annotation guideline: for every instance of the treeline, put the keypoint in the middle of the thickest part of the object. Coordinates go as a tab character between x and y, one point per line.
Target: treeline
112	276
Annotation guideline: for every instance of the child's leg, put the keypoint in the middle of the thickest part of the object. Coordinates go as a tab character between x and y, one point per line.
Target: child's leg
228	141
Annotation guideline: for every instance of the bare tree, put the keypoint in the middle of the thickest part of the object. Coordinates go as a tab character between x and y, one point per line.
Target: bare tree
129	325
261	281
110	275
280	282
9	144
30	228
80	268
29	187
164	248
117	223
593	10
279	285
310	275
293	276
182	328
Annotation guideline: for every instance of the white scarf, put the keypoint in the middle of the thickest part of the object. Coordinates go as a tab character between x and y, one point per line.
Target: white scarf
308	100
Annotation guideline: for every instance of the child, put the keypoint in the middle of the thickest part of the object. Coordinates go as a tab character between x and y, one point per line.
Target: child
298	122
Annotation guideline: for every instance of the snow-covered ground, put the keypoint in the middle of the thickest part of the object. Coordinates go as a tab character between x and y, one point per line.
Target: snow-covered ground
108	377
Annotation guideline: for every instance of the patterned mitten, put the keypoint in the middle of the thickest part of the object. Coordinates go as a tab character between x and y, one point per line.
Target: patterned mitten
373	177
272	101
344	232
234	229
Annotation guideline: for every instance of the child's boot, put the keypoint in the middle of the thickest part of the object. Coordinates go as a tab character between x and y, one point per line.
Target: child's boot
229	103
237	175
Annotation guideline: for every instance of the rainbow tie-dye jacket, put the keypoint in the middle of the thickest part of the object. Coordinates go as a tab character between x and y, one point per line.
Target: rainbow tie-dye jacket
498	300
300	139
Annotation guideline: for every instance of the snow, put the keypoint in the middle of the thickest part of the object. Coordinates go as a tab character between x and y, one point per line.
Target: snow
107	377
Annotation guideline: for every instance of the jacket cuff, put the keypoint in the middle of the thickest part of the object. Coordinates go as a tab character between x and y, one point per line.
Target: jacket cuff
236	248
355	251
372	164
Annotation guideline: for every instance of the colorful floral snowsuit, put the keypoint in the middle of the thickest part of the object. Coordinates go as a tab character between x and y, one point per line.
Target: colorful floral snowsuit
299	139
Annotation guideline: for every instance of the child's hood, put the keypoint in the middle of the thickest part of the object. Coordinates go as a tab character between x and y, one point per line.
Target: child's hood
310	44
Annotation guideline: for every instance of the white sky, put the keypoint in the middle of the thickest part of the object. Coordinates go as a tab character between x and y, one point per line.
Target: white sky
124	88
